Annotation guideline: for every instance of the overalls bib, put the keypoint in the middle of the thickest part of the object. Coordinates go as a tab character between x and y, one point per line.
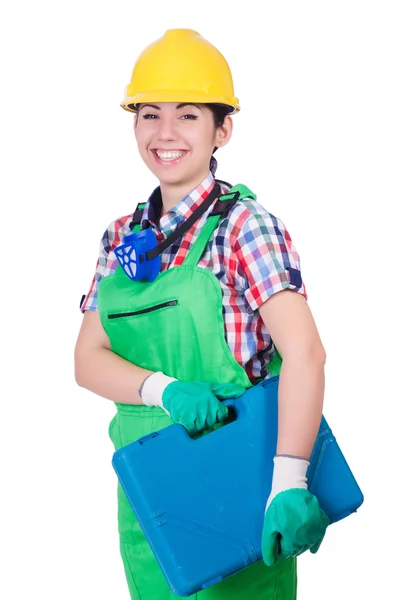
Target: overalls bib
175	325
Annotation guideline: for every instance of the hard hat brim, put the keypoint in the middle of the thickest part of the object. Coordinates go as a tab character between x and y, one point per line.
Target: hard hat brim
129	103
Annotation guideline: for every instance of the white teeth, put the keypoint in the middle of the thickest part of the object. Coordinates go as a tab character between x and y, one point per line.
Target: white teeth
169	154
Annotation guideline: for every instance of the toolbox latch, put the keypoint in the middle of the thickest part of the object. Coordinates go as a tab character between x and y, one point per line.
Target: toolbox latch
146	438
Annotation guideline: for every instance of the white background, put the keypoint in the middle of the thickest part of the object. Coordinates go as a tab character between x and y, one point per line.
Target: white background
315	139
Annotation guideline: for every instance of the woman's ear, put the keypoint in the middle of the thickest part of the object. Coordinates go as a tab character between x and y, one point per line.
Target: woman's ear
224	132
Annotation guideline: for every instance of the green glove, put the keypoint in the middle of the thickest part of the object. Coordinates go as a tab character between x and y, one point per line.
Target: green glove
195	404
294	523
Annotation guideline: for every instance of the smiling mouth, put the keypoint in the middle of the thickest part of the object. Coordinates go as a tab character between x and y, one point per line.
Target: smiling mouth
169	155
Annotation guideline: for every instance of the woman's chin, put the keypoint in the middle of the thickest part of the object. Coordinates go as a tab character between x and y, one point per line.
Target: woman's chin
171	178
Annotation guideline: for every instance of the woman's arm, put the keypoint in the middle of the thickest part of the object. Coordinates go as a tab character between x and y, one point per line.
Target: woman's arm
102	371
290	323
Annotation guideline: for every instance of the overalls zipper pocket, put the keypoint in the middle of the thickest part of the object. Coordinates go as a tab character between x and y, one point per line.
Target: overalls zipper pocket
144	310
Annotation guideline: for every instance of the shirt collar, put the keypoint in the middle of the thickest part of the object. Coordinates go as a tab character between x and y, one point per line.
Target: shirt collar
182	210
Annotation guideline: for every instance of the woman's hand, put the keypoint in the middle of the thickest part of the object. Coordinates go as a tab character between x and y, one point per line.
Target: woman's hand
294	521
193	404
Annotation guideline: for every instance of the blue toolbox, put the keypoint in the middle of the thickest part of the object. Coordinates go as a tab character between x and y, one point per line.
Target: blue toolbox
200	502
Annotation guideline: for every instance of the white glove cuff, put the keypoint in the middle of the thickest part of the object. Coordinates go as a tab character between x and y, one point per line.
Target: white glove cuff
289	472
153	387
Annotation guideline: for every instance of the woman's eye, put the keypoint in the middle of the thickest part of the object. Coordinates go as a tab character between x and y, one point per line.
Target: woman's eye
149	116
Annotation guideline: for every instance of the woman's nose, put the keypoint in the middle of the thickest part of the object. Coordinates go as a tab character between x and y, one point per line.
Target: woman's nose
167	129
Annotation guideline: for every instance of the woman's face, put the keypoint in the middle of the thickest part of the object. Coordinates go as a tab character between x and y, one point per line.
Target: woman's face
176	140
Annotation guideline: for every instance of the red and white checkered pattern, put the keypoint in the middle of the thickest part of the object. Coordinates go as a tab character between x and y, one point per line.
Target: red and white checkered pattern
251	254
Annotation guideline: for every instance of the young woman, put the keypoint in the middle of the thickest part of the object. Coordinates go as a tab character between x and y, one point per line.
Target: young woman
226	291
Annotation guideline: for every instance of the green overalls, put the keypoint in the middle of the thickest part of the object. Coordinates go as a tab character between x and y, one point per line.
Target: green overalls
175	325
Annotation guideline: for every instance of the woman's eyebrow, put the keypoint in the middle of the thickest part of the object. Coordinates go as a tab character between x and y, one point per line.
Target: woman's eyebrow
183	104
151	106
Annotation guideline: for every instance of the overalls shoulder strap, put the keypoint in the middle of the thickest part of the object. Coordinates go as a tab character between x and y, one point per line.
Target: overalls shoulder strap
221	208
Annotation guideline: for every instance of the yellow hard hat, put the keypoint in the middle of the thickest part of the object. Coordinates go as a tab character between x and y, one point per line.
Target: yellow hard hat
181	66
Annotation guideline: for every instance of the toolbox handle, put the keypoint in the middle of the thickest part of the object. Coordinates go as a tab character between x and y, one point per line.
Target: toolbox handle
243	407
231	403
239	406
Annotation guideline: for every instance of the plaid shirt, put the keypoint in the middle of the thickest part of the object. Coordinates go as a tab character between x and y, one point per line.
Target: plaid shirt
250	253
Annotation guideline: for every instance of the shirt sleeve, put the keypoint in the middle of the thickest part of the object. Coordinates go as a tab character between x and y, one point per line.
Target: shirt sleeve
267	255
107	261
